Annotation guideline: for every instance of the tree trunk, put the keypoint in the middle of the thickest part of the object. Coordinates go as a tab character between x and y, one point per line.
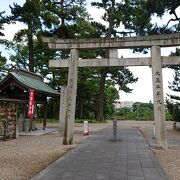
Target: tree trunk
81	109
30	47
100	99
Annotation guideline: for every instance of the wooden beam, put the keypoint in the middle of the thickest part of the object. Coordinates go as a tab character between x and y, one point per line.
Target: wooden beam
171	60
166	40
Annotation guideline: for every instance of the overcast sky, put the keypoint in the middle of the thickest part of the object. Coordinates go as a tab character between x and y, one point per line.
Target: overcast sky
142	90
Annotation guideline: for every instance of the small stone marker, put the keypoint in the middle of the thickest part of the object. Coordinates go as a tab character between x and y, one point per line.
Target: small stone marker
115	130
86	128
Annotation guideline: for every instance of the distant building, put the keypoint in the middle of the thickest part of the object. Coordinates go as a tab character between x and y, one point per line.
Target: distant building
119	104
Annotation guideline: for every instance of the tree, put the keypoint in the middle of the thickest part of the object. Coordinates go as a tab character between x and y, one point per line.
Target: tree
116	14
87	88
29	14
74	22
41	56
174	109
111	94
160	8
173	105
3	60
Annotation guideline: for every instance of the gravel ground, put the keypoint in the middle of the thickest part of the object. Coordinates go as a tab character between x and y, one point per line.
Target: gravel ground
170	161
170	158
22	158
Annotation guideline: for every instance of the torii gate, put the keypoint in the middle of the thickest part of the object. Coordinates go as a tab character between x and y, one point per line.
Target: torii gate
155	42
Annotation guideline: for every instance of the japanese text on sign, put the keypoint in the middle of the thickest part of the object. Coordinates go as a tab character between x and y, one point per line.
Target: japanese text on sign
158	90
31	103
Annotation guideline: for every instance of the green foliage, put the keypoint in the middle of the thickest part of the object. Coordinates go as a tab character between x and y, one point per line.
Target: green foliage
123	111
174	110
3	20
137	105
159	8
88	86
29	14
173	106
42	54
113	15
127	13
111	94
138	111
53	108
2	66
3	42
122	77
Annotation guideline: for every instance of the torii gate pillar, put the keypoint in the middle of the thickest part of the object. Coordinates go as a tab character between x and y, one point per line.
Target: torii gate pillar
71	97
158	97
62	110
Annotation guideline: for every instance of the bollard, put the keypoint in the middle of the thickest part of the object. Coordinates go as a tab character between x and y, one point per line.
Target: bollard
86	128
115	130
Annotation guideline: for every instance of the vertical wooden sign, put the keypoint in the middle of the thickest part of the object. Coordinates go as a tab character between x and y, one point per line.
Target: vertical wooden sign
31	103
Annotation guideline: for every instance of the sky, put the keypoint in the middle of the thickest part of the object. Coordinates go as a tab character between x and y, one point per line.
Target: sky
142	90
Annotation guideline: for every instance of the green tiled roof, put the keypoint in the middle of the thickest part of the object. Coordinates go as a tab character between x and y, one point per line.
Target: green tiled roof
32	83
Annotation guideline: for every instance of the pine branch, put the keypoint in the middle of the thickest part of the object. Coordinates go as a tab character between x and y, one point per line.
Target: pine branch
176	19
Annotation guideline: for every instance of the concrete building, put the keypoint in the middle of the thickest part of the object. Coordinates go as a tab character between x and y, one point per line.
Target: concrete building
118	104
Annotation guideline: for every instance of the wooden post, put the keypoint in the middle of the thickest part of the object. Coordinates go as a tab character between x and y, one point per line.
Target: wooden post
158	96
71	98
45	115
16	123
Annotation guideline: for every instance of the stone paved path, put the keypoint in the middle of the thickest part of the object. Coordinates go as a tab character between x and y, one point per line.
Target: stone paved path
100	158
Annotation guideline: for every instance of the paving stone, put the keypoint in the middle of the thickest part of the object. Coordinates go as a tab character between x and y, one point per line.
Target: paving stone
135	178
119	173
147	163
150	171
101	176
121	163
77	177
153	177
134	172
119	177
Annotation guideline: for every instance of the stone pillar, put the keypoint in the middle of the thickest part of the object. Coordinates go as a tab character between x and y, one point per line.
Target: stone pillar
113	55
62	112
115	130
71	98
159	109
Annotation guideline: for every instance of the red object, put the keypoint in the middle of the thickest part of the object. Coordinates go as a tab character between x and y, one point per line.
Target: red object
86	133
31	103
